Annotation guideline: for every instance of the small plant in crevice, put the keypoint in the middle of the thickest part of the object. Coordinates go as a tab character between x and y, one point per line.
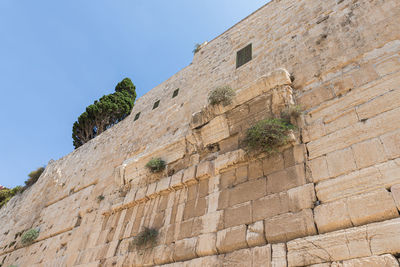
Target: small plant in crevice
100	198
156	165
292	111
221	95
34	176
147	237
29	236
197	48
268	134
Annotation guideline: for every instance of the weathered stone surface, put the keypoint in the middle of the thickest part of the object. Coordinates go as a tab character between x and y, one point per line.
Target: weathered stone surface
383	175
185	249
238	214
373	261
269	206
368	153
332	216
206	244
231	239
391	143
289	226
238	258
376	239
374	206
216	130
395	190
279	255
340	162
189	175
205	170
302	197
262	256
343	58
319	169
286	179
247	191
255	234
228	159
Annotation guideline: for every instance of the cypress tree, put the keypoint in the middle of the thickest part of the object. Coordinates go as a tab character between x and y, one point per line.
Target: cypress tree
104	113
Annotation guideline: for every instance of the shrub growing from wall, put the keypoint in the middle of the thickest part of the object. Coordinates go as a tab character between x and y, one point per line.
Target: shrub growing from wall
29	236
156	165
267	135
221	95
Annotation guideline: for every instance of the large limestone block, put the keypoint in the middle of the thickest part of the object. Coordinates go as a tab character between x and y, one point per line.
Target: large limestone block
395	189
302	197
247	191
368	153
211	261
391	143
373	261
347	185
374	206
340	162
286	179
384	237
238	258
206	244
189	175
228	159
279	258
277	77
373	127
205	170
238	214
255	234
332	216
231	239
185	249
380	104
319	169
382	175
262	256
289	226
216	130
270	206
334	246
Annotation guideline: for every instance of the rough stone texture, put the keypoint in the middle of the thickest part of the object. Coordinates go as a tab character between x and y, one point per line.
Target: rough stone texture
216	204
289	226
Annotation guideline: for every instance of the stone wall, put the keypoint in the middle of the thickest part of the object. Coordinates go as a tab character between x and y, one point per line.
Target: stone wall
329	198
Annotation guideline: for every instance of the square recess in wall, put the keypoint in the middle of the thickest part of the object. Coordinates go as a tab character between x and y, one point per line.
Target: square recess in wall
156	104
243	56
136	116
176	92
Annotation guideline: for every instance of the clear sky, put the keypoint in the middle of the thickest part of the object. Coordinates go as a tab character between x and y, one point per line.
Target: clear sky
57	57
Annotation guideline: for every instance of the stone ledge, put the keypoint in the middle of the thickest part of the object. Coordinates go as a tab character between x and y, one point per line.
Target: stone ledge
183	178
363	241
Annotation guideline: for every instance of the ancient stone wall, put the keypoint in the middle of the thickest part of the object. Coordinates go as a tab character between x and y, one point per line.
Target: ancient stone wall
329	198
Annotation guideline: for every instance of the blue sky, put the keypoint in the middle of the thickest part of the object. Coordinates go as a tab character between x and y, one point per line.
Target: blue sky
57	57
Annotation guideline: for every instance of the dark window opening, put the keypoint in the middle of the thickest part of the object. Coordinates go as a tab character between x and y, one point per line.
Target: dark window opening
156	104
243	56
175	93
137	116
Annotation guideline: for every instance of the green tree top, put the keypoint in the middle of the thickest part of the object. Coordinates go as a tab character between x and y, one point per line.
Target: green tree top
104	113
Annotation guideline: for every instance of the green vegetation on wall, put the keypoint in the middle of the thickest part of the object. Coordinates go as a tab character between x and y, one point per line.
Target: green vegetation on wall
156	165
104	113
221	95
146	237
269	134
29	236
6	194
